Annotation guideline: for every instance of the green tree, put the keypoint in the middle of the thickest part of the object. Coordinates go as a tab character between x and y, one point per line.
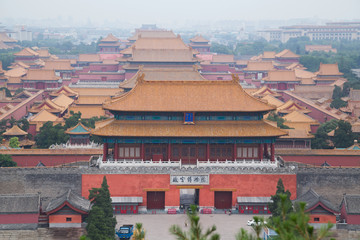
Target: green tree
321	140
139	233
73	120
275	206
337	92
6	161
50	134
14	142
101	221
7	92
295	225
274	117
195	232
343	137
338	103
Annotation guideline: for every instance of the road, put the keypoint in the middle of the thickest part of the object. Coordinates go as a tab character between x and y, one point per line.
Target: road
157	225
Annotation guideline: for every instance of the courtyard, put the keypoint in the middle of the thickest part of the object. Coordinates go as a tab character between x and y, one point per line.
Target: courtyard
157	225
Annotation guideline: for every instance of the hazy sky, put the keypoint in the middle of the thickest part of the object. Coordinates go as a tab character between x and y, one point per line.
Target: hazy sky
174	11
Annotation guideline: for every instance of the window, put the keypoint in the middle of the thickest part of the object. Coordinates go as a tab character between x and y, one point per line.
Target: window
316	219
129	152
68	219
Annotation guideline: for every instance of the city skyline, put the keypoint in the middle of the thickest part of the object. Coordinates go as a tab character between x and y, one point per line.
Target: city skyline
168	13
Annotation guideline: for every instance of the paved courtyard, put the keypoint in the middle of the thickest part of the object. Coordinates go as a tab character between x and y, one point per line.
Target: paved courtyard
157	225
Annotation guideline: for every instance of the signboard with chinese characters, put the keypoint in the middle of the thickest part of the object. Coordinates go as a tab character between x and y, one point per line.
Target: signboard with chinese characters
189	179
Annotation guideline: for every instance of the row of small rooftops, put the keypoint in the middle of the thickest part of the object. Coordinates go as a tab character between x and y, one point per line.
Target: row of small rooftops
30	203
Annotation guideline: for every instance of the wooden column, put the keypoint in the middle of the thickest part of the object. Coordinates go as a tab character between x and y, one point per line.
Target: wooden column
169	151
261	151
207	151
234	152
272	151
142	151
116	151
105	151
266	153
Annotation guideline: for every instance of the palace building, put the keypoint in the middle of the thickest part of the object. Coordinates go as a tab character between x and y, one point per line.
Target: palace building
183	135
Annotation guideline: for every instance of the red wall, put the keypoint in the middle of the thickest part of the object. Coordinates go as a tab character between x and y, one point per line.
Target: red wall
349	218
21	108
215	68
48	160
19	218
315	113
216	76
322	218
62	218
334	161
97	77
104	68
135	185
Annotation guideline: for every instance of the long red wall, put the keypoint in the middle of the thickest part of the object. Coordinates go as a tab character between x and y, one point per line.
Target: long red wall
334	161
19	218
48	160
136	185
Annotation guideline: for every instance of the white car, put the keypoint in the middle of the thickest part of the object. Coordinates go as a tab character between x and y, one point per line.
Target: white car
252	222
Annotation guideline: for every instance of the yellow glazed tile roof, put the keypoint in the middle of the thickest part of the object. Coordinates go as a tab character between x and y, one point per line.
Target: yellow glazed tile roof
259	66
184	96
49	105
15	131
63	101
64	90
272	100
291	106
179	129
297	116
286	53
41	74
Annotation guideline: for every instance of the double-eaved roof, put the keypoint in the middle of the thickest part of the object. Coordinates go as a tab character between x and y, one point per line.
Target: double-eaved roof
79	129
179	129
15	131
163	74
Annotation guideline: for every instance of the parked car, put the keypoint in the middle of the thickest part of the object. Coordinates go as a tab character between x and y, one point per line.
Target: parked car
252	222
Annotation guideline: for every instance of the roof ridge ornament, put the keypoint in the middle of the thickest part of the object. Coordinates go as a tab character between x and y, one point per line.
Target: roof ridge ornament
235	78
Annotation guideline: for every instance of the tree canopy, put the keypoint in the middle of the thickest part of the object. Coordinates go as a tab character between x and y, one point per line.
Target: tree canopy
14	142
343	136
6	161
275	206
50	135
101	222
274	117
195	232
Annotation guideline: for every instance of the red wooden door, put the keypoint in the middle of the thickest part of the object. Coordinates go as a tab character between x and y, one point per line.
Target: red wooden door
223	200
155	200
40	85
282	86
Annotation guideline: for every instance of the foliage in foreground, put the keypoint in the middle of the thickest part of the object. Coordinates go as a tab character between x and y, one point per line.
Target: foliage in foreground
275	206
195	232
101	222
139	232
6	161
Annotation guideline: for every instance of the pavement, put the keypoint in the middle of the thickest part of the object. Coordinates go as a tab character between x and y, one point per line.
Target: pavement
157	225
